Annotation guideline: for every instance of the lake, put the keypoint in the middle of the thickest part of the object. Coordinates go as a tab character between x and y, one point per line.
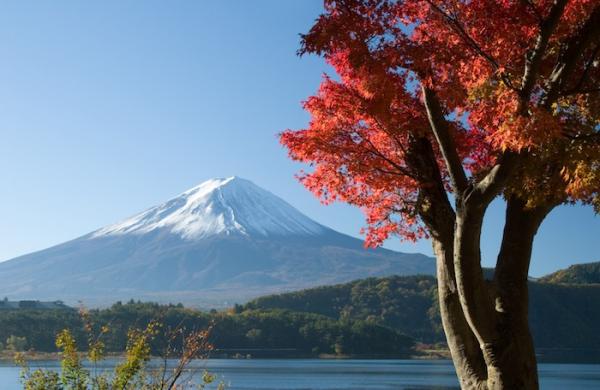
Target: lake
314	374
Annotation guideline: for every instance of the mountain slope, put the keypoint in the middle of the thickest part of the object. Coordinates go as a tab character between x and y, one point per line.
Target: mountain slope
231	205
405	303
225	240
563	318
588	273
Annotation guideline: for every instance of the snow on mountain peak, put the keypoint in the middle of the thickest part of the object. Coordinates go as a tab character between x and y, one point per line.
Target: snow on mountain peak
219	206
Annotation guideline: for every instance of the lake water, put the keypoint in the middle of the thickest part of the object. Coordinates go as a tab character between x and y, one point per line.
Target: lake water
312	374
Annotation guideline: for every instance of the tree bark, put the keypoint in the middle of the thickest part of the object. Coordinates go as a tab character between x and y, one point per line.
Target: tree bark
515	352
437	213
464	348
486	322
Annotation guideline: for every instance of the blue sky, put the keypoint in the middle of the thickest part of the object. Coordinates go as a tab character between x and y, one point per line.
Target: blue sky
107	108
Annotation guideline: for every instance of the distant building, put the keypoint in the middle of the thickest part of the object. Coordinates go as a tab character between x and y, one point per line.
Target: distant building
5	304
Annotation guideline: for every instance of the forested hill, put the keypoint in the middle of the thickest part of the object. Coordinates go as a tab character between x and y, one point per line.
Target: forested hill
407	303
561	316
576	274
368	317
260	333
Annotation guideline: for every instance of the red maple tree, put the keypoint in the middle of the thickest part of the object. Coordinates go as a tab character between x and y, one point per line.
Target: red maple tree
477	99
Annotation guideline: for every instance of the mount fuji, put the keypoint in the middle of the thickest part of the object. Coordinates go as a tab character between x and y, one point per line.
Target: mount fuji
223	241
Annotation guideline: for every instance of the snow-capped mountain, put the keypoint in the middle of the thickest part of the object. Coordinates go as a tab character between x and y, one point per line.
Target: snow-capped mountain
217	206
223	241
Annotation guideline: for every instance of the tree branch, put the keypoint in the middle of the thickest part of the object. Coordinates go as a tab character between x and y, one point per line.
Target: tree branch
534	60
475	296
458	29
472	288
441	131
463	345
511	287
578	88
574	48
535	10
435	211
521	225
376	152
487	188
588	65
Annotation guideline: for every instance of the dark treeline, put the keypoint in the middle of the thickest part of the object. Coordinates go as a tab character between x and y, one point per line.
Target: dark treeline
374	317
564	318
255	332
405	303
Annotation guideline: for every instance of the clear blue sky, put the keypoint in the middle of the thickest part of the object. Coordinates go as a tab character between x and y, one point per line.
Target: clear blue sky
107	108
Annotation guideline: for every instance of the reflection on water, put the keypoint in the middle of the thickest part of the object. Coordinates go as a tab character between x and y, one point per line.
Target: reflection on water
312	374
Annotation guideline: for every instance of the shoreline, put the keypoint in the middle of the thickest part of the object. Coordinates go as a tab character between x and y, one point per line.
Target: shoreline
32	356
418	355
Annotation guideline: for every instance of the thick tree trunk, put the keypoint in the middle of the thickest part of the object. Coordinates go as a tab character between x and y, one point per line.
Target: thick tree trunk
515	364
515	350
486	322
466	354
438	215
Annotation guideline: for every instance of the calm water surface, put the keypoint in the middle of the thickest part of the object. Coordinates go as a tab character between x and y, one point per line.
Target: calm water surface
352	375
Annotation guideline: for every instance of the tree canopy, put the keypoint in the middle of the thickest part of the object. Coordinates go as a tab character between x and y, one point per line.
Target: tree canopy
485	97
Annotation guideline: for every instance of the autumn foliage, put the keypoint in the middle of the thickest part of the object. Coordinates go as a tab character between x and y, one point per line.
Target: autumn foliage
514	80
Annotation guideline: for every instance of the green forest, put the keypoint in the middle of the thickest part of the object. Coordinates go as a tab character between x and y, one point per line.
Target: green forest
374	317
259	333
561	315
588	273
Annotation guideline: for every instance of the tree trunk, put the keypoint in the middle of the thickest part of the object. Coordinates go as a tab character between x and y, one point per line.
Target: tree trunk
486	322
464	348
515	350
515	364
